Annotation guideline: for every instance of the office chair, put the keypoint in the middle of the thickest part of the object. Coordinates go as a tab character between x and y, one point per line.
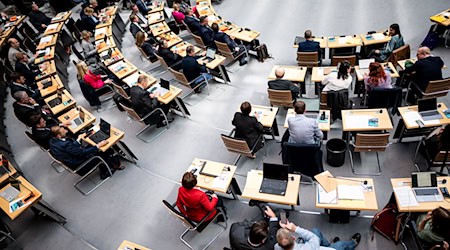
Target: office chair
305	159
282	98
369	143
240	146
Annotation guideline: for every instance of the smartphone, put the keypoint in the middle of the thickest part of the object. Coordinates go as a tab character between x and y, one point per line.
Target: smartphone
444	192
283	219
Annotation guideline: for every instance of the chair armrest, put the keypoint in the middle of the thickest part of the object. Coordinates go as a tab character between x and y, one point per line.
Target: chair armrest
207	216
232	132
151	113
175	65
91	159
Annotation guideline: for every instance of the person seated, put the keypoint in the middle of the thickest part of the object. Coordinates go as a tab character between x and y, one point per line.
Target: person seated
184	6
46	8
18	83
177	14
72	154
25	107
192	22
193	202
206	33
288	235
14	47
89	49
146	46
142	20
172	60
144	102
89	19
434	226
41	130
339	80
377	77
309	45
438	140
248	127
142	7
38	19
232	45
192	70
135	27
302	129
395	43
91	79
259	235
93	4
427	68
280	84
27	69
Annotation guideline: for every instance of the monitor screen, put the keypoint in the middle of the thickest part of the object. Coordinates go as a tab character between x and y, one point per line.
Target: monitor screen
275	171
105	126
423	179
210	53
427	104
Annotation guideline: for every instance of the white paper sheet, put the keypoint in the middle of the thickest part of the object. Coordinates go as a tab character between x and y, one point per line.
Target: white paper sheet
405	196
46	39
52	26
326	198
411	116
357	121
350	192
342	40
254	175
378	36
221	181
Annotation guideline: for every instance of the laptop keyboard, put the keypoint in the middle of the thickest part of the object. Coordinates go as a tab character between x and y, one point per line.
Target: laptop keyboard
430	113
274	184
427	191
99	136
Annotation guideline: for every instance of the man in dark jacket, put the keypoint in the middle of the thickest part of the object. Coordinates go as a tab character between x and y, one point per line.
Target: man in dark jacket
280	84
206	33
192	22
310	45
18	83
259	235
38	19
25	107
173	60
192	70
144	102
427	68
232	45
248	127
27	69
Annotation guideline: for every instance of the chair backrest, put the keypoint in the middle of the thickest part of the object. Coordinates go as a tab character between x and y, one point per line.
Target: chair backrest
198	40
371	142
402	53
33	139
235	145
162	61
77	53
120	91
172	211
60	162
385	98
180	77
224	49
281	98
131	113
323	101
308	59
438	88
442	158
304	158
337	59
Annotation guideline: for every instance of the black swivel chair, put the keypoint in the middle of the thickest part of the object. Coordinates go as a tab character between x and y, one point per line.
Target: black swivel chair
305	159
385	98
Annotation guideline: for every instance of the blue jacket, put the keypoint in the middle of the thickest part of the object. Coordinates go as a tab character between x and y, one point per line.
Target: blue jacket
142	7
224	38
70	152
192	23
207	36
191	68
310	46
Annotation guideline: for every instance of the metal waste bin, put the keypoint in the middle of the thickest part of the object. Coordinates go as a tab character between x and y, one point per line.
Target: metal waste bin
336	152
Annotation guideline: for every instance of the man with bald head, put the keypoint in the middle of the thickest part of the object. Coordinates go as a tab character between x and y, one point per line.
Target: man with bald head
280	84
426	69
14	48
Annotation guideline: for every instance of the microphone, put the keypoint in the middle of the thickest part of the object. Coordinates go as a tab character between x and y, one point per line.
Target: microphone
443	181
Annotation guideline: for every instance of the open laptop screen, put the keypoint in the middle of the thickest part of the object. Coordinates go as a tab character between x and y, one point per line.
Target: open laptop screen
210	53
105	126
427	104
275	171
423	179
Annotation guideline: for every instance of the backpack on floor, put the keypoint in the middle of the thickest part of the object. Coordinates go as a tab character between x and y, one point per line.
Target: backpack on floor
432	39
262	53
388	221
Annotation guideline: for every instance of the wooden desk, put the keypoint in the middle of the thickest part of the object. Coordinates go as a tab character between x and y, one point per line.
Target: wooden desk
322	41
12	171
155	17
442	18
159	28
205	10
218	60
101	32
73	113
28	193
245	35
292	73
319	73
109	11
180	49
375	38
401	63
132	79
267	115
65	103
174	93
53	28
103	45
50	69
122	69
56	84
344	42
171	38
323	126
156	7
392	70
51	41
106	21
115	136
410	121
253	184
7	32
61	17
423	206
128	245
116	56
362	116
49	55
207	182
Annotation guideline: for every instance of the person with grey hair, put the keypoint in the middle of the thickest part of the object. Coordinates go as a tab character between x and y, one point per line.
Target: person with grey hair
281	84
25	107
14	48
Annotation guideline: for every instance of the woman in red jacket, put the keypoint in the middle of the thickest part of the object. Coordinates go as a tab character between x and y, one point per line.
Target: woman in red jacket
91	79
193	202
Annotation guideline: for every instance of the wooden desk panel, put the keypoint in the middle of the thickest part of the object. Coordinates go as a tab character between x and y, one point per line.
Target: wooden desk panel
253	184
319	73
442	18
155	17
74	113
48	56
61	17
28	193
66	96
370	39
115	136
47	69
101	32
292	73
116	56
344	42
423	206
53	28
130	245
268	114
132	79
245	35
156	7
103	45
174	93
172	38
52	42
105	21
56	84
122	69
207	182
218	60
110	11
394	73
159	28
413	125
323	126
180	49
384	121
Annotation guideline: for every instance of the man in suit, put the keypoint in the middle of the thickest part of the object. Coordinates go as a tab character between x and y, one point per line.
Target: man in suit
303	129
310	45
41	130
92	4
248	127
427	68
280	84
232	45
18	83
142	7
192	22
38	19
14	47
258	235
25	107
72	154
206	33
192	70
144	102
143	22
27	69
172	60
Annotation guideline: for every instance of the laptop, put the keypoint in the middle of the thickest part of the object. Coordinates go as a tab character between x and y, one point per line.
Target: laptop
46	83
10	193
210	54
275	179
103	133
299	39
424	186
55	102
312	115
79	120
428	109
163	87
107	55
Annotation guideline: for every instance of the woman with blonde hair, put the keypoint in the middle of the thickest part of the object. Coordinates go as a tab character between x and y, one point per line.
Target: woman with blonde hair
91	79
89	20
88	92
